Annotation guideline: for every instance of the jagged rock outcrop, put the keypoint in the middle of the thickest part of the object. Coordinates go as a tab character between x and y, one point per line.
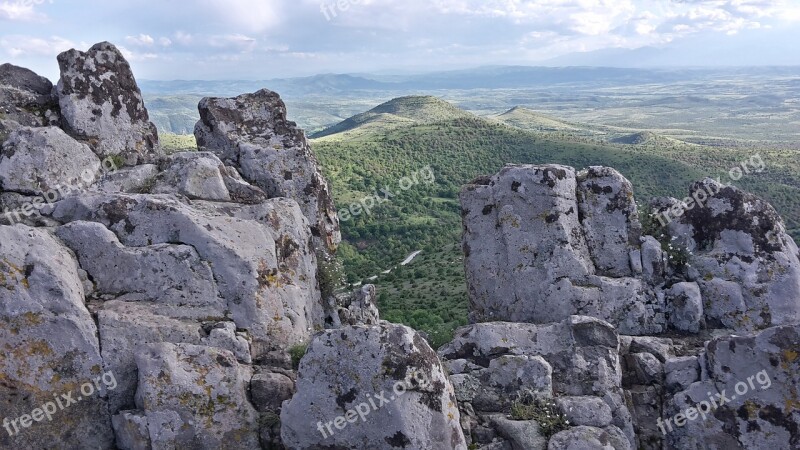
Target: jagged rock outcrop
258	255
252	132
101	104
542	242
359	307
26	99
372	387
173	277
528	259
746	266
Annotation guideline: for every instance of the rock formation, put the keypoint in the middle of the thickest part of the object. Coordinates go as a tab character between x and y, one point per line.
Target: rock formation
172	276
532	241
102	105
27	99
152	301
251	132
372	387
543	243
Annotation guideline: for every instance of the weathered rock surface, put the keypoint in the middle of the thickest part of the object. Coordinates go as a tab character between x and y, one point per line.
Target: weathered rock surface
123	328
610	220
542	243
202	176
359	307
748	265
39	160
49	346
581	353
386	372
526	252
102	105
129	180
261	262
685	307
194	397
252	132
521	434
588	438
26	99
750	393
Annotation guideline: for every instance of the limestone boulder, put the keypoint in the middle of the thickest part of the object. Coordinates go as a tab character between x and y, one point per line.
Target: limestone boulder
46	160
26	99
259	258
102	105
359	307
376	386
252	133
528	259
194	397
748	266
610	219
747	397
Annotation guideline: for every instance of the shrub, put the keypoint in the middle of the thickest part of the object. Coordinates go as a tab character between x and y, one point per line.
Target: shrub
297	352
531	406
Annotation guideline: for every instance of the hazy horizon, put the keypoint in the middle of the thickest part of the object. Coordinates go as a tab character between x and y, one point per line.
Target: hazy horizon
258	40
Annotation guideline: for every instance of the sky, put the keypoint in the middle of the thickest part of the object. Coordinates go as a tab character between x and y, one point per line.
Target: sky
264	39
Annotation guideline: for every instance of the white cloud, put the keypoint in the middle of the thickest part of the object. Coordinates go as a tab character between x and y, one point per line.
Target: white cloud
235	42
21	11
142	40
20	45
184	38
136	56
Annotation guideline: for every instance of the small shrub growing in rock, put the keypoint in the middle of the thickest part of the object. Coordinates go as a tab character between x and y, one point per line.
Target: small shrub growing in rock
650	224
545	411
331	275
676	254
117	160
270	419
297	352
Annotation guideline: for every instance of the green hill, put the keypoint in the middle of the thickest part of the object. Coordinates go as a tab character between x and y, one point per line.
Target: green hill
394	114
526	119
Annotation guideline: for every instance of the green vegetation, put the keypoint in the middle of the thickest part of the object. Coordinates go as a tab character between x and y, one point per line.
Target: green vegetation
296	353
117	161
545	411
330	274
172	143
430	294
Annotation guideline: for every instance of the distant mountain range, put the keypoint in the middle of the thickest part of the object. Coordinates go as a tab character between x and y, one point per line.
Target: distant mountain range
490	77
